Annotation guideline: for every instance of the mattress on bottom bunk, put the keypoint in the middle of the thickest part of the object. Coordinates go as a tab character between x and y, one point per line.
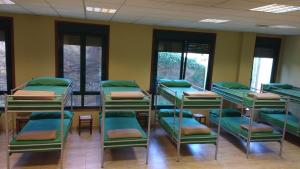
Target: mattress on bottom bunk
40	125
293	124
168	124
233	125
115	123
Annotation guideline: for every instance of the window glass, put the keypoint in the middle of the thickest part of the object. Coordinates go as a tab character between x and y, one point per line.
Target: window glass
71	53
93	63
3	72
261	72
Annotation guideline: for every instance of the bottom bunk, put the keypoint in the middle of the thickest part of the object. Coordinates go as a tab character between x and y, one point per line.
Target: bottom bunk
123	130
238	126
41	133
193	132
277	118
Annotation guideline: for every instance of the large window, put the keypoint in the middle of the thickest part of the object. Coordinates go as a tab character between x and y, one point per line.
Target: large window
183	55
265	61
82	51
6	55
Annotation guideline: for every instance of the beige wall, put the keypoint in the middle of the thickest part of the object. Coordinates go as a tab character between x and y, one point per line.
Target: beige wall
129	54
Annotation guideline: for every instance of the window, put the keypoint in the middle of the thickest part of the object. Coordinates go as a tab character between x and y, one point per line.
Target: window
82	56
182	55
6	55
265	61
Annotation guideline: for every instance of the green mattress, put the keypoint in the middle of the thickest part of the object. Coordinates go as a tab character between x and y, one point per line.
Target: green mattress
232	125
122	103
39	125
293	93
227	112
205	103
54	104
293	125
171	128
112	123
240	96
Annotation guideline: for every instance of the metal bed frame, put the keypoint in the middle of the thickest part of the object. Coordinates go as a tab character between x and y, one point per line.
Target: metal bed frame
119	107
291	99
173	99
253	109
10	132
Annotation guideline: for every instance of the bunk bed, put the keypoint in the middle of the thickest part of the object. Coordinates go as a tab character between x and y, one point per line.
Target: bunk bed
243	125
120	100
177	121
277	117
47	129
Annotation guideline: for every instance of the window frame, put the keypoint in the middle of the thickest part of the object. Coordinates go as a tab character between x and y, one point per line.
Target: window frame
82	30
8	27
270	43
185	38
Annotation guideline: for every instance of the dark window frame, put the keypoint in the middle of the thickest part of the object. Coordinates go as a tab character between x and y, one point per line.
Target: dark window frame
83	30
192	37
271	43
8	27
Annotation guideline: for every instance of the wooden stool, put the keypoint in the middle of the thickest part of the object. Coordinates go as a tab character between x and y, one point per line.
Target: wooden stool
199	117
88	119
143	118
21	120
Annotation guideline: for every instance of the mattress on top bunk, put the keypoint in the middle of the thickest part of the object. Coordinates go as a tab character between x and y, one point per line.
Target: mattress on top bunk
170	95
288	92
171	127
278	119
109	101
42	125
241	96
233	125
122	123
42	104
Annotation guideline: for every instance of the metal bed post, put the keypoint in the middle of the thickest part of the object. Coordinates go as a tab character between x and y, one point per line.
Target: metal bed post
219	128
156	106
7	133
102	128
179	129
174	116
62	132
149	128
284	125
250	126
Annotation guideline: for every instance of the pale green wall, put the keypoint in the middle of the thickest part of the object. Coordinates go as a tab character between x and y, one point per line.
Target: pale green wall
289	69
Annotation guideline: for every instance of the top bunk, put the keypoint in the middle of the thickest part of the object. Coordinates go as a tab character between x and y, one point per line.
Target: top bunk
283	89
46	94
183	93
123	95
247	97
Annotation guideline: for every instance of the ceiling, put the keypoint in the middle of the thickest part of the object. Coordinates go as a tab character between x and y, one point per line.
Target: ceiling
175	13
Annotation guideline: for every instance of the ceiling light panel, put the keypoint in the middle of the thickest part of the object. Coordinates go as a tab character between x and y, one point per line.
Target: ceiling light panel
101	10
276	8
210	20
6	2
282	26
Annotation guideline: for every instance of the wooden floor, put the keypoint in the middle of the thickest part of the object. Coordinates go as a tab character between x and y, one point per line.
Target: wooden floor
83	152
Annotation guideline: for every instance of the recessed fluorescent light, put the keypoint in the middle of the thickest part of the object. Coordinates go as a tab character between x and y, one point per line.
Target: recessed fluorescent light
6	2
276	8
283	26
102	10
209	20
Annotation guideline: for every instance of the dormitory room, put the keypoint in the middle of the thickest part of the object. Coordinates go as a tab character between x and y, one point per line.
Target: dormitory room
150	84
